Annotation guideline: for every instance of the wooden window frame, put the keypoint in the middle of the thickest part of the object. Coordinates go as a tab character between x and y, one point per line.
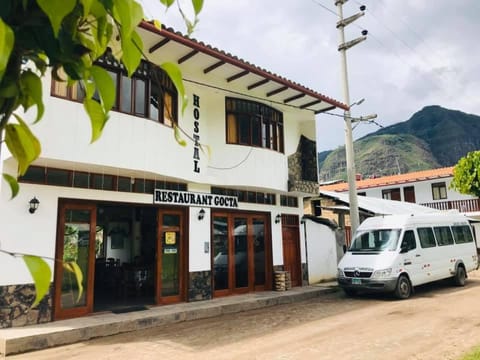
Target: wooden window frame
438	186
265	121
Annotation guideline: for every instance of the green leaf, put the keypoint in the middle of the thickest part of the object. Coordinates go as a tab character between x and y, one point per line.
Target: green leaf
13	184
56	11
23	145
98	117
197	6
31	86
178	137
86	4
128	14
105	86
41	275
175	74
167	3
75	269
131	52
7	39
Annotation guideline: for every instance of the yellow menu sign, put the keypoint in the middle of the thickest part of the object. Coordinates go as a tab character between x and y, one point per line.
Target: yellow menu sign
170	238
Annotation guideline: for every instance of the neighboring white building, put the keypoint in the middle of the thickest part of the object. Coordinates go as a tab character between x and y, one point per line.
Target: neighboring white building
147	220
429	188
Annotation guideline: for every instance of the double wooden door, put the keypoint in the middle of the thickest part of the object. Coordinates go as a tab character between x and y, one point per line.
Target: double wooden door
241	253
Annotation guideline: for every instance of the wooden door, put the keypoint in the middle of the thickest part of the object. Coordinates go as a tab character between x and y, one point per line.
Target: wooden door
76	248
171	253
291	248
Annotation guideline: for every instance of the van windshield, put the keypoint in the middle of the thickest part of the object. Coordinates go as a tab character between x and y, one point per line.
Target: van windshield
375	240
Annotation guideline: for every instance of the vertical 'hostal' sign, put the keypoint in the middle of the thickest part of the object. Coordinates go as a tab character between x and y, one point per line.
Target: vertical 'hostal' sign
196	131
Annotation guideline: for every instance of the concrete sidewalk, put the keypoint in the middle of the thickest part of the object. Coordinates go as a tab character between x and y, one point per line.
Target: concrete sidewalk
36	337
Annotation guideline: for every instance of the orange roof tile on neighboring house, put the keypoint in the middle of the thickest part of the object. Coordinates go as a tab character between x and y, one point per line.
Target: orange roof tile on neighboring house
392	180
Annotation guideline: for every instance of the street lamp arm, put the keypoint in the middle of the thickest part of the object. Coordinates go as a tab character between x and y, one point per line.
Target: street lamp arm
347	45
349	20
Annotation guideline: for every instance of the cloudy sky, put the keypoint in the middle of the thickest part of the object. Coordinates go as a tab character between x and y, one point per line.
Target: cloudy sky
417	53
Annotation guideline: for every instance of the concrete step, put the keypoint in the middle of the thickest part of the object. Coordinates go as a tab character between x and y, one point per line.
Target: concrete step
41	336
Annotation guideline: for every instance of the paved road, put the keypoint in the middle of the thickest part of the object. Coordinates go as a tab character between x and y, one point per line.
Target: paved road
438	322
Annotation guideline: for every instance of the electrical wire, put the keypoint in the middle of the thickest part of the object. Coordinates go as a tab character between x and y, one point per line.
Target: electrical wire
234	166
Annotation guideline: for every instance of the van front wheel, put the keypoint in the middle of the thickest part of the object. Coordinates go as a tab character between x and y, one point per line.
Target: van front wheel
404	288
460	276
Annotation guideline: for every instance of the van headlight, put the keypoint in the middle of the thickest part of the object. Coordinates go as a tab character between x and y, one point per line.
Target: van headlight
340	273
382	273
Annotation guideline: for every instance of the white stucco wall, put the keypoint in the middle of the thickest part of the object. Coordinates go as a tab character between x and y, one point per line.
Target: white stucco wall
322	252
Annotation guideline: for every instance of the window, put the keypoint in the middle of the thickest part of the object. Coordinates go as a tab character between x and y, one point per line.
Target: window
391	194
255	197
408	241
78	179
253	124
149	93
409	194
439	191
427	239
462	234
290	201
443	235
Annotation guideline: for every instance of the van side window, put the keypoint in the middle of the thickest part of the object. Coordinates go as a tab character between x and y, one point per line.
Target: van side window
462	234
408	241
427	239
443	235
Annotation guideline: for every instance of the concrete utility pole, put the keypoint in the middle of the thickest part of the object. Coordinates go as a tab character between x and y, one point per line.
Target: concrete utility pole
350	156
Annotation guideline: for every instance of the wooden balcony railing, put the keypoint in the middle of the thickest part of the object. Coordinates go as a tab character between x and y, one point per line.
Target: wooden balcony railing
469	205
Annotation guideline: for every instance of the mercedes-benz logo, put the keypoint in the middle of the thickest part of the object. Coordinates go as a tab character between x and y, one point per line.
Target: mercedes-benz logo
356	273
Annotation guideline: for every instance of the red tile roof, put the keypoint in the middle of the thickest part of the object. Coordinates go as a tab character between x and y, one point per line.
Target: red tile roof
392	180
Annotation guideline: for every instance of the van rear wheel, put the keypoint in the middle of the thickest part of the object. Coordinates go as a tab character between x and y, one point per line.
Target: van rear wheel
404	288
460	276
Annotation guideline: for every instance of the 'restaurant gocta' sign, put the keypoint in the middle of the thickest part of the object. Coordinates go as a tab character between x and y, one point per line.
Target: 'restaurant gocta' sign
173	197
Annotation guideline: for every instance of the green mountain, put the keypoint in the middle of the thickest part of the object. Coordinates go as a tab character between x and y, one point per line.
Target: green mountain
433	137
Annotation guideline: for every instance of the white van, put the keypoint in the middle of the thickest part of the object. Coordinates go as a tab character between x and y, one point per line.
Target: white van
394	253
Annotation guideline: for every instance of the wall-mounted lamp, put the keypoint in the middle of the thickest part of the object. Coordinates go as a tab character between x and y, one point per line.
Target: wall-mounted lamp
278	218
33	205
201	214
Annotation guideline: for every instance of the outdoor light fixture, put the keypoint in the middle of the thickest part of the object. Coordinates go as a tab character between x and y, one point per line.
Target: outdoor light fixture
33	205
278	218
201	214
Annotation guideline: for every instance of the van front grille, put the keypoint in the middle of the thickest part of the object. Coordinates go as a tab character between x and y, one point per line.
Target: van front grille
358	274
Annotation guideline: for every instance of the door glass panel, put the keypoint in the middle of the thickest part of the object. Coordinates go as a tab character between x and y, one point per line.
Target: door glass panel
240	252
171	257
259	250
220	252
76	245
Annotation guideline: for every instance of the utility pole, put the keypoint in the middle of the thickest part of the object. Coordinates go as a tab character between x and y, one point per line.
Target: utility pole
349	151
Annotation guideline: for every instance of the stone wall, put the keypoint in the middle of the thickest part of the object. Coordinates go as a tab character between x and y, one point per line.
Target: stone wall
15	302
302	168
200	286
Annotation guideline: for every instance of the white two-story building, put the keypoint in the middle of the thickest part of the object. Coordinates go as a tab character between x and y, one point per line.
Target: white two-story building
149	221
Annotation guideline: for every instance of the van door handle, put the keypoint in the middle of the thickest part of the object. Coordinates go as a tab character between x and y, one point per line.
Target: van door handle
417	255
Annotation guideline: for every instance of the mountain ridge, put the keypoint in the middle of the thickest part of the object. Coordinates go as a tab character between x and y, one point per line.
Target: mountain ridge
433	137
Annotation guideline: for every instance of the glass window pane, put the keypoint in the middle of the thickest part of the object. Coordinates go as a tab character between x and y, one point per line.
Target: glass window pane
256	131
245	129
108	182
58	177
220	253
140	97
60	88
240	252
76	244
124	184
81	179
126	95
259	251
34	174
427	239
154	104
113	75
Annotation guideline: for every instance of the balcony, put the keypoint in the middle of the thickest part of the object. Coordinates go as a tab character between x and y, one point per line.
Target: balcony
466	206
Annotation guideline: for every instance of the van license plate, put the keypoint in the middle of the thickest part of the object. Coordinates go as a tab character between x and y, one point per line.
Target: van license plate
356	281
